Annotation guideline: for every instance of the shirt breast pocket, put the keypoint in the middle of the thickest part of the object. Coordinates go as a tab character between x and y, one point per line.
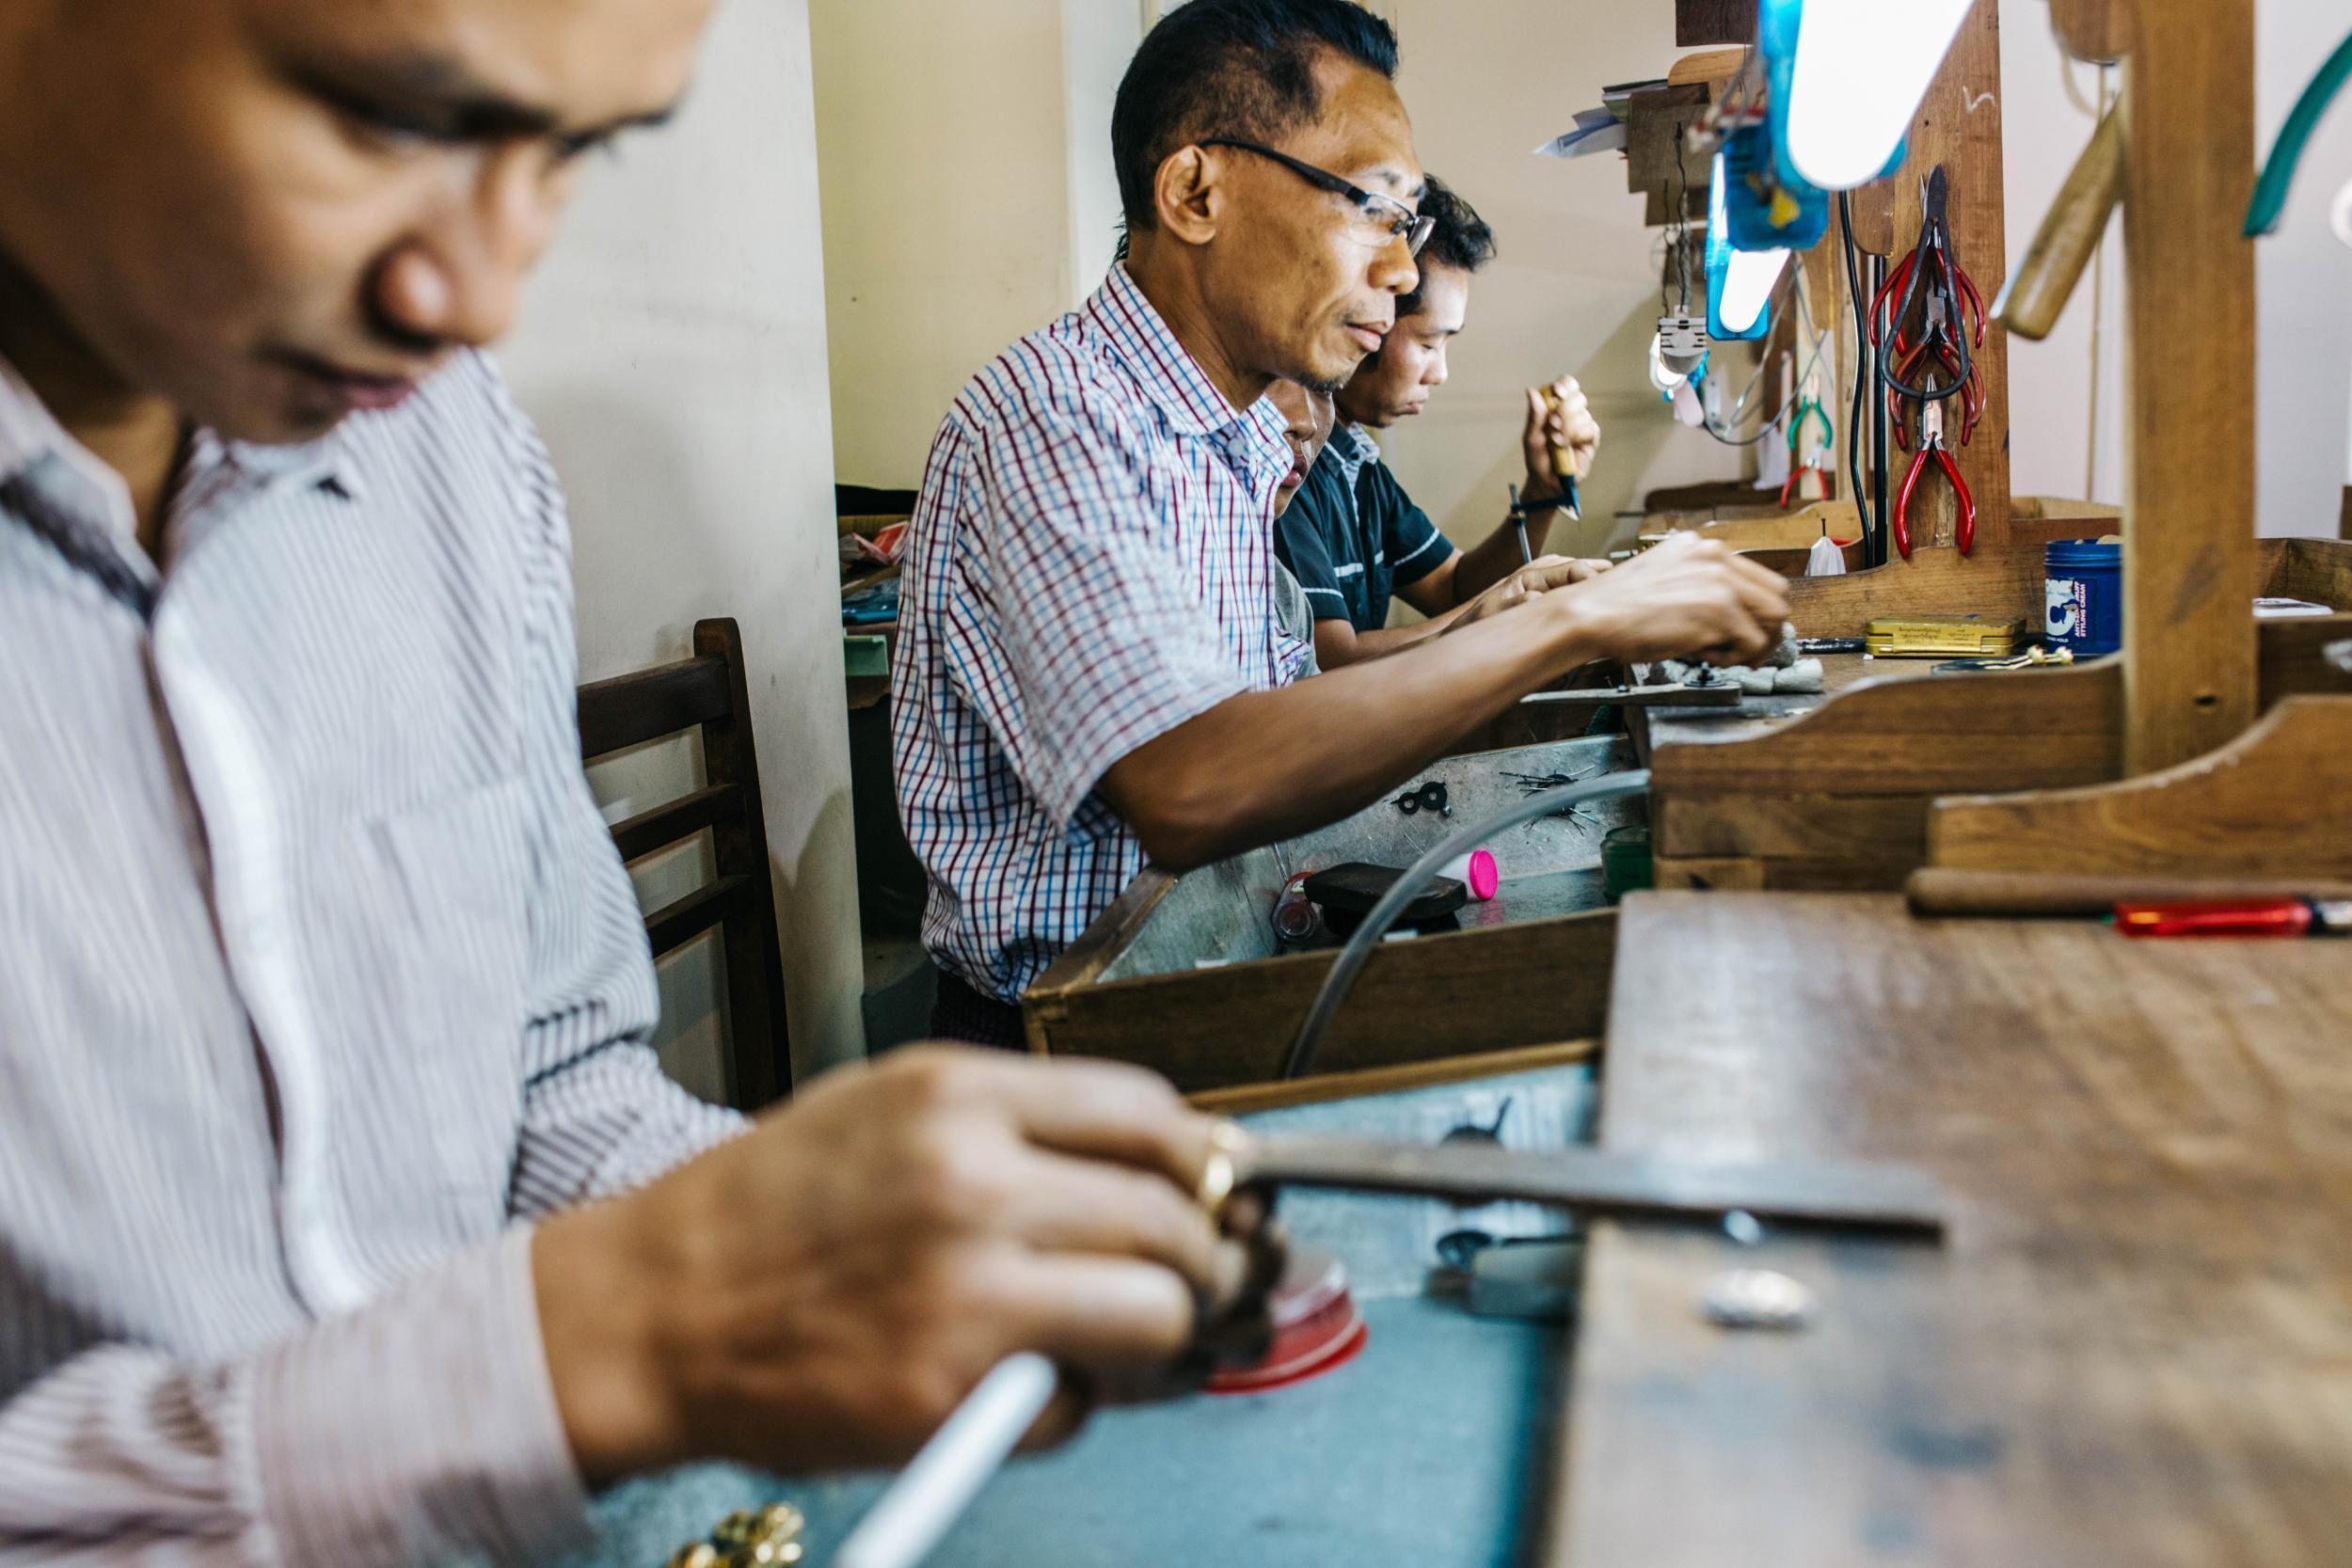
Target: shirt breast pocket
443	892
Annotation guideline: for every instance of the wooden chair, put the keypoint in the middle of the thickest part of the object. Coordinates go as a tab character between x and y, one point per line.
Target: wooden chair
708	692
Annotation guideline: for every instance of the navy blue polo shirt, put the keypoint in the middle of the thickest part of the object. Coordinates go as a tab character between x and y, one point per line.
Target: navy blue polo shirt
1352	537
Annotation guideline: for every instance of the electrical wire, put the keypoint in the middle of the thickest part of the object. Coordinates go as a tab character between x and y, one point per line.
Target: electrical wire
1724	433
1416	876
1864	379
2270	192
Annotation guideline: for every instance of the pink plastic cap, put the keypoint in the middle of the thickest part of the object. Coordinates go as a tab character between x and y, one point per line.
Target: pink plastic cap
1485	878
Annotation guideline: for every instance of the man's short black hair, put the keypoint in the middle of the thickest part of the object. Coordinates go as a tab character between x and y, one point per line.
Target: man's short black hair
1460	238
1230	67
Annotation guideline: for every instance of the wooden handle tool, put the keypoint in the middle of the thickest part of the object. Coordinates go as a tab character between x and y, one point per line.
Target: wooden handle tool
1563	464
1941	891
2031	303
1840	1194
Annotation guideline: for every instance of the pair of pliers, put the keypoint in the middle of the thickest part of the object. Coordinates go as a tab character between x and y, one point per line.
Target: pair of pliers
1968	387
1931	446
1808	407
1931	267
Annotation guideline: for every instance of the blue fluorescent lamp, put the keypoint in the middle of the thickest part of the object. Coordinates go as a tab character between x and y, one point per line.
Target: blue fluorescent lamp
1847	84
1739	283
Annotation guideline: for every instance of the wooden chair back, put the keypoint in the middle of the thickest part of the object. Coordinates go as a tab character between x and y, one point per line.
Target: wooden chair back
709	692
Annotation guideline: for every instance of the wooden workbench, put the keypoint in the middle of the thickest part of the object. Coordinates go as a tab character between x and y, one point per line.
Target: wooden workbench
2136	1346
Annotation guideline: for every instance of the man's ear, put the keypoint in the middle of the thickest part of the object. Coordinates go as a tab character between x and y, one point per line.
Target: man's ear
1187	197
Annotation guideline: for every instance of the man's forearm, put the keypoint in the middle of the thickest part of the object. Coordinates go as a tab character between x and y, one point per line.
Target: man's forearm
1337	653
1498	556
417	1429
1266	765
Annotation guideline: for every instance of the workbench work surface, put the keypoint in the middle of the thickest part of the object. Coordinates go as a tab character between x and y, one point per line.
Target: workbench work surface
1433	1447
2134	1347
1756	716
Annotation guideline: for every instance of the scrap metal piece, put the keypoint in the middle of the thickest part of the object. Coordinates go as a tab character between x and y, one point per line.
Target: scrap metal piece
1756	1298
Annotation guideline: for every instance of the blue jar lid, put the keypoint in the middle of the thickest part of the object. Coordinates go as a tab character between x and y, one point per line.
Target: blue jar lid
2083	552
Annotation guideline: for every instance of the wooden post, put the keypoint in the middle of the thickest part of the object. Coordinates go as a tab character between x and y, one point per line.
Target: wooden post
1702	21
2189	556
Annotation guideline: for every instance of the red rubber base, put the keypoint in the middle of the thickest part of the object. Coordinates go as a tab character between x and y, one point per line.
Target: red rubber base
1316	1327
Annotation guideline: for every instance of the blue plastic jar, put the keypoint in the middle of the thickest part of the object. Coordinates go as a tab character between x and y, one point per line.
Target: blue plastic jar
2083	590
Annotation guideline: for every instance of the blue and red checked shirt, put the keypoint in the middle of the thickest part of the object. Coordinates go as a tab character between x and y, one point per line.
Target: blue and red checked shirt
1090	564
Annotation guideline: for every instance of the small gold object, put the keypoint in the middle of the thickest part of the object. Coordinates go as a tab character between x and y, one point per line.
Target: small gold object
1216	1175
767	1538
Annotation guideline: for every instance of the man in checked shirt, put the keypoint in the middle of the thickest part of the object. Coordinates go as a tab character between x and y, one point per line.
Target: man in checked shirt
1087	674
345	1217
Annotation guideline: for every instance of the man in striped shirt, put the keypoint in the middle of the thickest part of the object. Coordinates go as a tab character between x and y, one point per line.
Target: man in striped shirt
1088	671
345	1217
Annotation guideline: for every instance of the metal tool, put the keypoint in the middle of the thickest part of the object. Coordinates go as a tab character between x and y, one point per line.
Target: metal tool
1667	695
2007	894
2267	917
1518	526
1429	797
1937	365
1841	1194
2035	657
1808	407
1928	275
1936	349
1932	447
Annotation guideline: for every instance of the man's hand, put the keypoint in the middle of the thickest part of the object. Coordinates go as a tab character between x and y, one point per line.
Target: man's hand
821	1293
1557	415
1687	597
1540	576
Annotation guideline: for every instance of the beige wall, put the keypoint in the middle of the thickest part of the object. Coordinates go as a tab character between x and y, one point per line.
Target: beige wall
967	196
674	353
1575	288
2303	365
991	114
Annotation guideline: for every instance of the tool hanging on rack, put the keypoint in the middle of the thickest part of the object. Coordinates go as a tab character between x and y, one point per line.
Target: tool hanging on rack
1926	322
1932	447
1808	408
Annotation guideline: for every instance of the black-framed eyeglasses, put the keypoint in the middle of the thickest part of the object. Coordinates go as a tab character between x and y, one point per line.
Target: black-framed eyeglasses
1380	219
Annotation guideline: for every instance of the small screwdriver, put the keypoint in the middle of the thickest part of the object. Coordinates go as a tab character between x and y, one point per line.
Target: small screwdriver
2266	917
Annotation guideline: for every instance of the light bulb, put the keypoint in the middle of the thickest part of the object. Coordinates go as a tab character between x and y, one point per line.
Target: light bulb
1749	275
1862	68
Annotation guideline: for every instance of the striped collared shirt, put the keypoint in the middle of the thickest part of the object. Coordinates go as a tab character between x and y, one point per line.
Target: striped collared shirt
1091	565
318	981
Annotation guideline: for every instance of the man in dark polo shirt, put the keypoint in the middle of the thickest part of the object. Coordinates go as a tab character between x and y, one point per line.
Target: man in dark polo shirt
1354	538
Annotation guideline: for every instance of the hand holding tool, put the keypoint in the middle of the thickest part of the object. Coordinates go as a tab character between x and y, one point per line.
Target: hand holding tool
979	1435
1562	460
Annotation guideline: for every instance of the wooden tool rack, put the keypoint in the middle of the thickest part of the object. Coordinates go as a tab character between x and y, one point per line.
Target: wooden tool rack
2157	745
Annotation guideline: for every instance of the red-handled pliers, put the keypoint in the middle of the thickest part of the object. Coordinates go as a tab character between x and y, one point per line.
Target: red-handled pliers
1931	445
